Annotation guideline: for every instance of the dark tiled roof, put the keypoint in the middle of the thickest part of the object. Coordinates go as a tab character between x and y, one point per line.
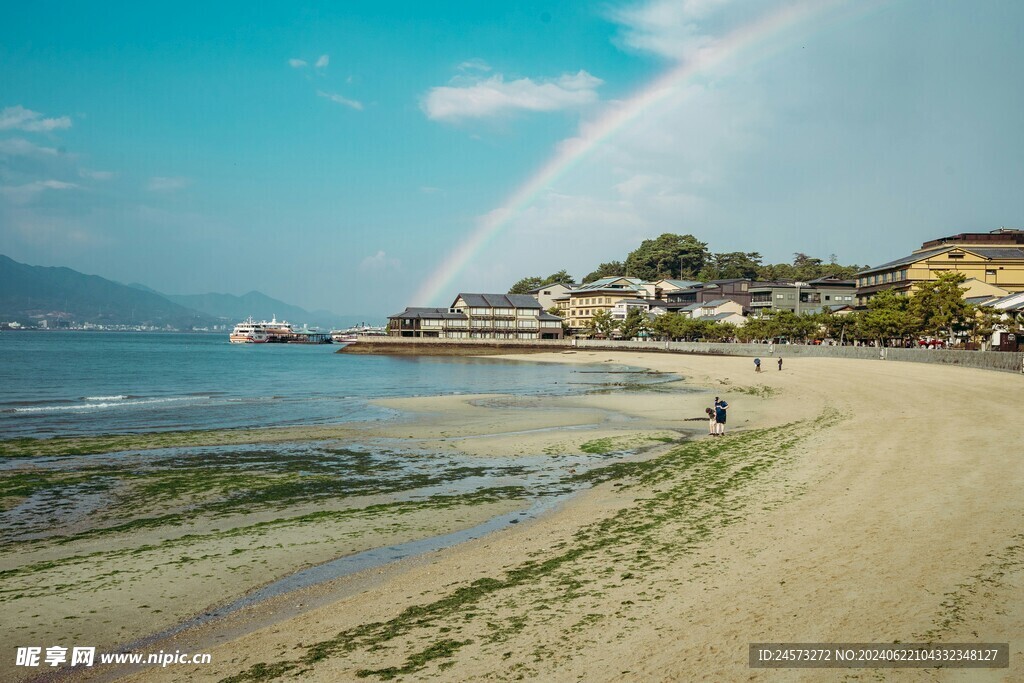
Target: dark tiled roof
499	300
828	280
415	312
606	283
547	316
997	252
913	258
984	252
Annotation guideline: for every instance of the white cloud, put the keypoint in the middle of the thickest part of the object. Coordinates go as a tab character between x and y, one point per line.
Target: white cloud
494	96
20	118
16	147
297	63
475	64
673	29
167	184
338	99
21	194
379	264
323	61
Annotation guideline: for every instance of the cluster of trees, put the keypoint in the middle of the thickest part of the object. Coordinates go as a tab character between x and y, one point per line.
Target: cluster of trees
936	309
528	284
684	257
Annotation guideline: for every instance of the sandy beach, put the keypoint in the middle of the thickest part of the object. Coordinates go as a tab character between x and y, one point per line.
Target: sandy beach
851	501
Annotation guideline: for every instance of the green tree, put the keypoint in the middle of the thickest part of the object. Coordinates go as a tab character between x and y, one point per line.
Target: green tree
528	284
668	256
525	285
664	325
634	325
720	332
602	323
982	323
757	328
888	317
838	326
610	269
733	264
805	268
939	305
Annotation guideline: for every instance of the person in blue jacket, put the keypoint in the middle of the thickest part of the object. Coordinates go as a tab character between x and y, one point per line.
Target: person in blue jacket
720	408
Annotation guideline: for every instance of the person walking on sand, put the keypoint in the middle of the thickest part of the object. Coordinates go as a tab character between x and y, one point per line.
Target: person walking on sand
711	421
720	407
780	363
757	365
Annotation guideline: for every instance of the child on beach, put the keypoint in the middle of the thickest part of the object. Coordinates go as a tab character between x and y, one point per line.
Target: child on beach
711	421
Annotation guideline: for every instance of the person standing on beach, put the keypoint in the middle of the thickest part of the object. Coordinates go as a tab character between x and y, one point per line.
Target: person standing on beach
711	421
720	407
780	363
757	365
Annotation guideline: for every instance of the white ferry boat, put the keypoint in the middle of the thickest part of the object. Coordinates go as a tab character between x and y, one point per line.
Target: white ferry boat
251	332
353	334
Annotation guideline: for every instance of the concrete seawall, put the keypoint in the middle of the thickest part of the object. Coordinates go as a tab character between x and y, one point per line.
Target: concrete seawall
986	360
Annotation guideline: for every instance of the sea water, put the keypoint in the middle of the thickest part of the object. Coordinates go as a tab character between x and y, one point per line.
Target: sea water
67	383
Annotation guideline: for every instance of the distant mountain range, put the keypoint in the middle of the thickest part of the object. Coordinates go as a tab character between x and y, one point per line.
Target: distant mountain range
29	294
259	306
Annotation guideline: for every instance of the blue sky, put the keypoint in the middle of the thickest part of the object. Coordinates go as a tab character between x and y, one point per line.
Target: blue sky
333	154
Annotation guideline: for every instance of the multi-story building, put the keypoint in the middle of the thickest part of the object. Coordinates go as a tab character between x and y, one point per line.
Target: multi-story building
479	316
736	289
716	310
802	297
549	295
995	258
580	304
650	307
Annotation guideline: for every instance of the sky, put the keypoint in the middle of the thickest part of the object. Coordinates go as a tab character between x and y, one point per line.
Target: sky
362	157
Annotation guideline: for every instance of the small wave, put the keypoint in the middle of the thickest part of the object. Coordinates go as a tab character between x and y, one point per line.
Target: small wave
97	404
119	397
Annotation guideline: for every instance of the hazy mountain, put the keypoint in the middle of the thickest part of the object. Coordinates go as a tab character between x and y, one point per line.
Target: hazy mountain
233	308
31	293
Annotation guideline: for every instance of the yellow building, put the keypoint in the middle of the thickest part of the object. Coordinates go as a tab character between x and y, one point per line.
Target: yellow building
994	258
579	305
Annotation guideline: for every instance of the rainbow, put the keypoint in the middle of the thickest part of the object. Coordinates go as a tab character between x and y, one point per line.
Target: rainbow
573	150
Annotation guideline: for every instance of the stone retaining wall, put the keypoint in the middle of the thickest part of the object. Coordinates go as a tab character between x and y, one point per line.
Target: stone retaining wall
988	360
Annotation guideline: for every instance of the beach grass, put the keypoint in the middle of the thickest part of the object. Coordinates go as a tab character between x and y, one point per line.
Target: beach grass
686	495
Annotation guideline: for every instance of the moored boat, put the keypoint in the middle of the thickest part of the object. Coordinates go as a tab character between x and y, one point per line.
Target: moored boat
249	332
263	332
352	334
